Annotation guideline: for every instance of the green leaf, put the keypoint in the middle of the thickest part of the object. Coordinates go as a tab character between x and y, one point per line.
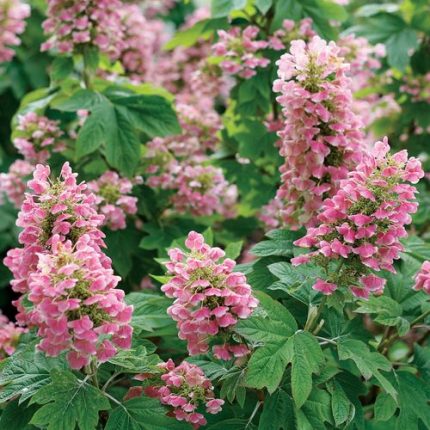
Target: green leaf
414	395
385	406
233	249
17	416
267	365
273	247
278	412
122	146
81	99
149	312
232	385
95	131
400	47
221	8
142	413
68	402
208	235
91	57
369	363
342	408
263	5
135	360
61	68
24	374
275	326
202	30
153	115
307	359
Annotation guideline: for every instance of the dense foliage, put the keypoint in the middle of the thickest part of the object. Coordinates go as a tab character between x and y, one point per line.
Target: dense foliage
214	216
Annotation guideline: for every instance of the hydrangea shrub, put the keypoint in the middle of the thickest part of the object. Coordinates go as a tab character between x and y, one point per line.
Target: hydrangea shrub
214	215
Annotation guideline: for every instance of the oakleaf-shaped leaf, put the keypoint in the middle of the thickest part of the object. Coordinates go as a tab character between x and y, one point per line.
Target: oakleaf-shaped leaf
68	402
369	363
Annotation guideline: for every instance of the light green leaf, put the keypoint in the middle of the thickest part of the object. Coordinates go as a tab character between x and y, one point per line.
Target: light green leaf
263	5
68	402
233	249
81	99
24	374
221	8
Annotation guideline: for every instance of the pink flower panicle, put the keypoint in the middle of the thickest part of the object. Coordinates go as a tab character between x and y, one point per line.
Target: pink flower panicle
12	23
76	305
241	51
270	214
363	222
63	273
9	336
73	24
422	278
417	86
290	30
203	191
61	208
35	135
113	199
184	388
142	40
14	182
209	297
321	139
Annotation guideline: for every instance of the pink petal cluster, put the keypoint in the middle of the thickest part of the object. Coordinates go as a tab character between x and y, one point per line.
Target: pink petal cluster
185	388
417	86
62	272
76	305
203	191
9	336
241	51
362	223
14	182
290	30
61	208
74	24
199	189
209	297
12	23
142	40
270	214
321	139
35	135
113	199
153	8
422	278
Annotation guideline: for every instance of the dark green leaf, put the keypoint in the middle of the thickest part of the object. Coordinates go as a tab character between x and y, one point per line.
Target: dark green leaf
17	416
278	412
61	68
